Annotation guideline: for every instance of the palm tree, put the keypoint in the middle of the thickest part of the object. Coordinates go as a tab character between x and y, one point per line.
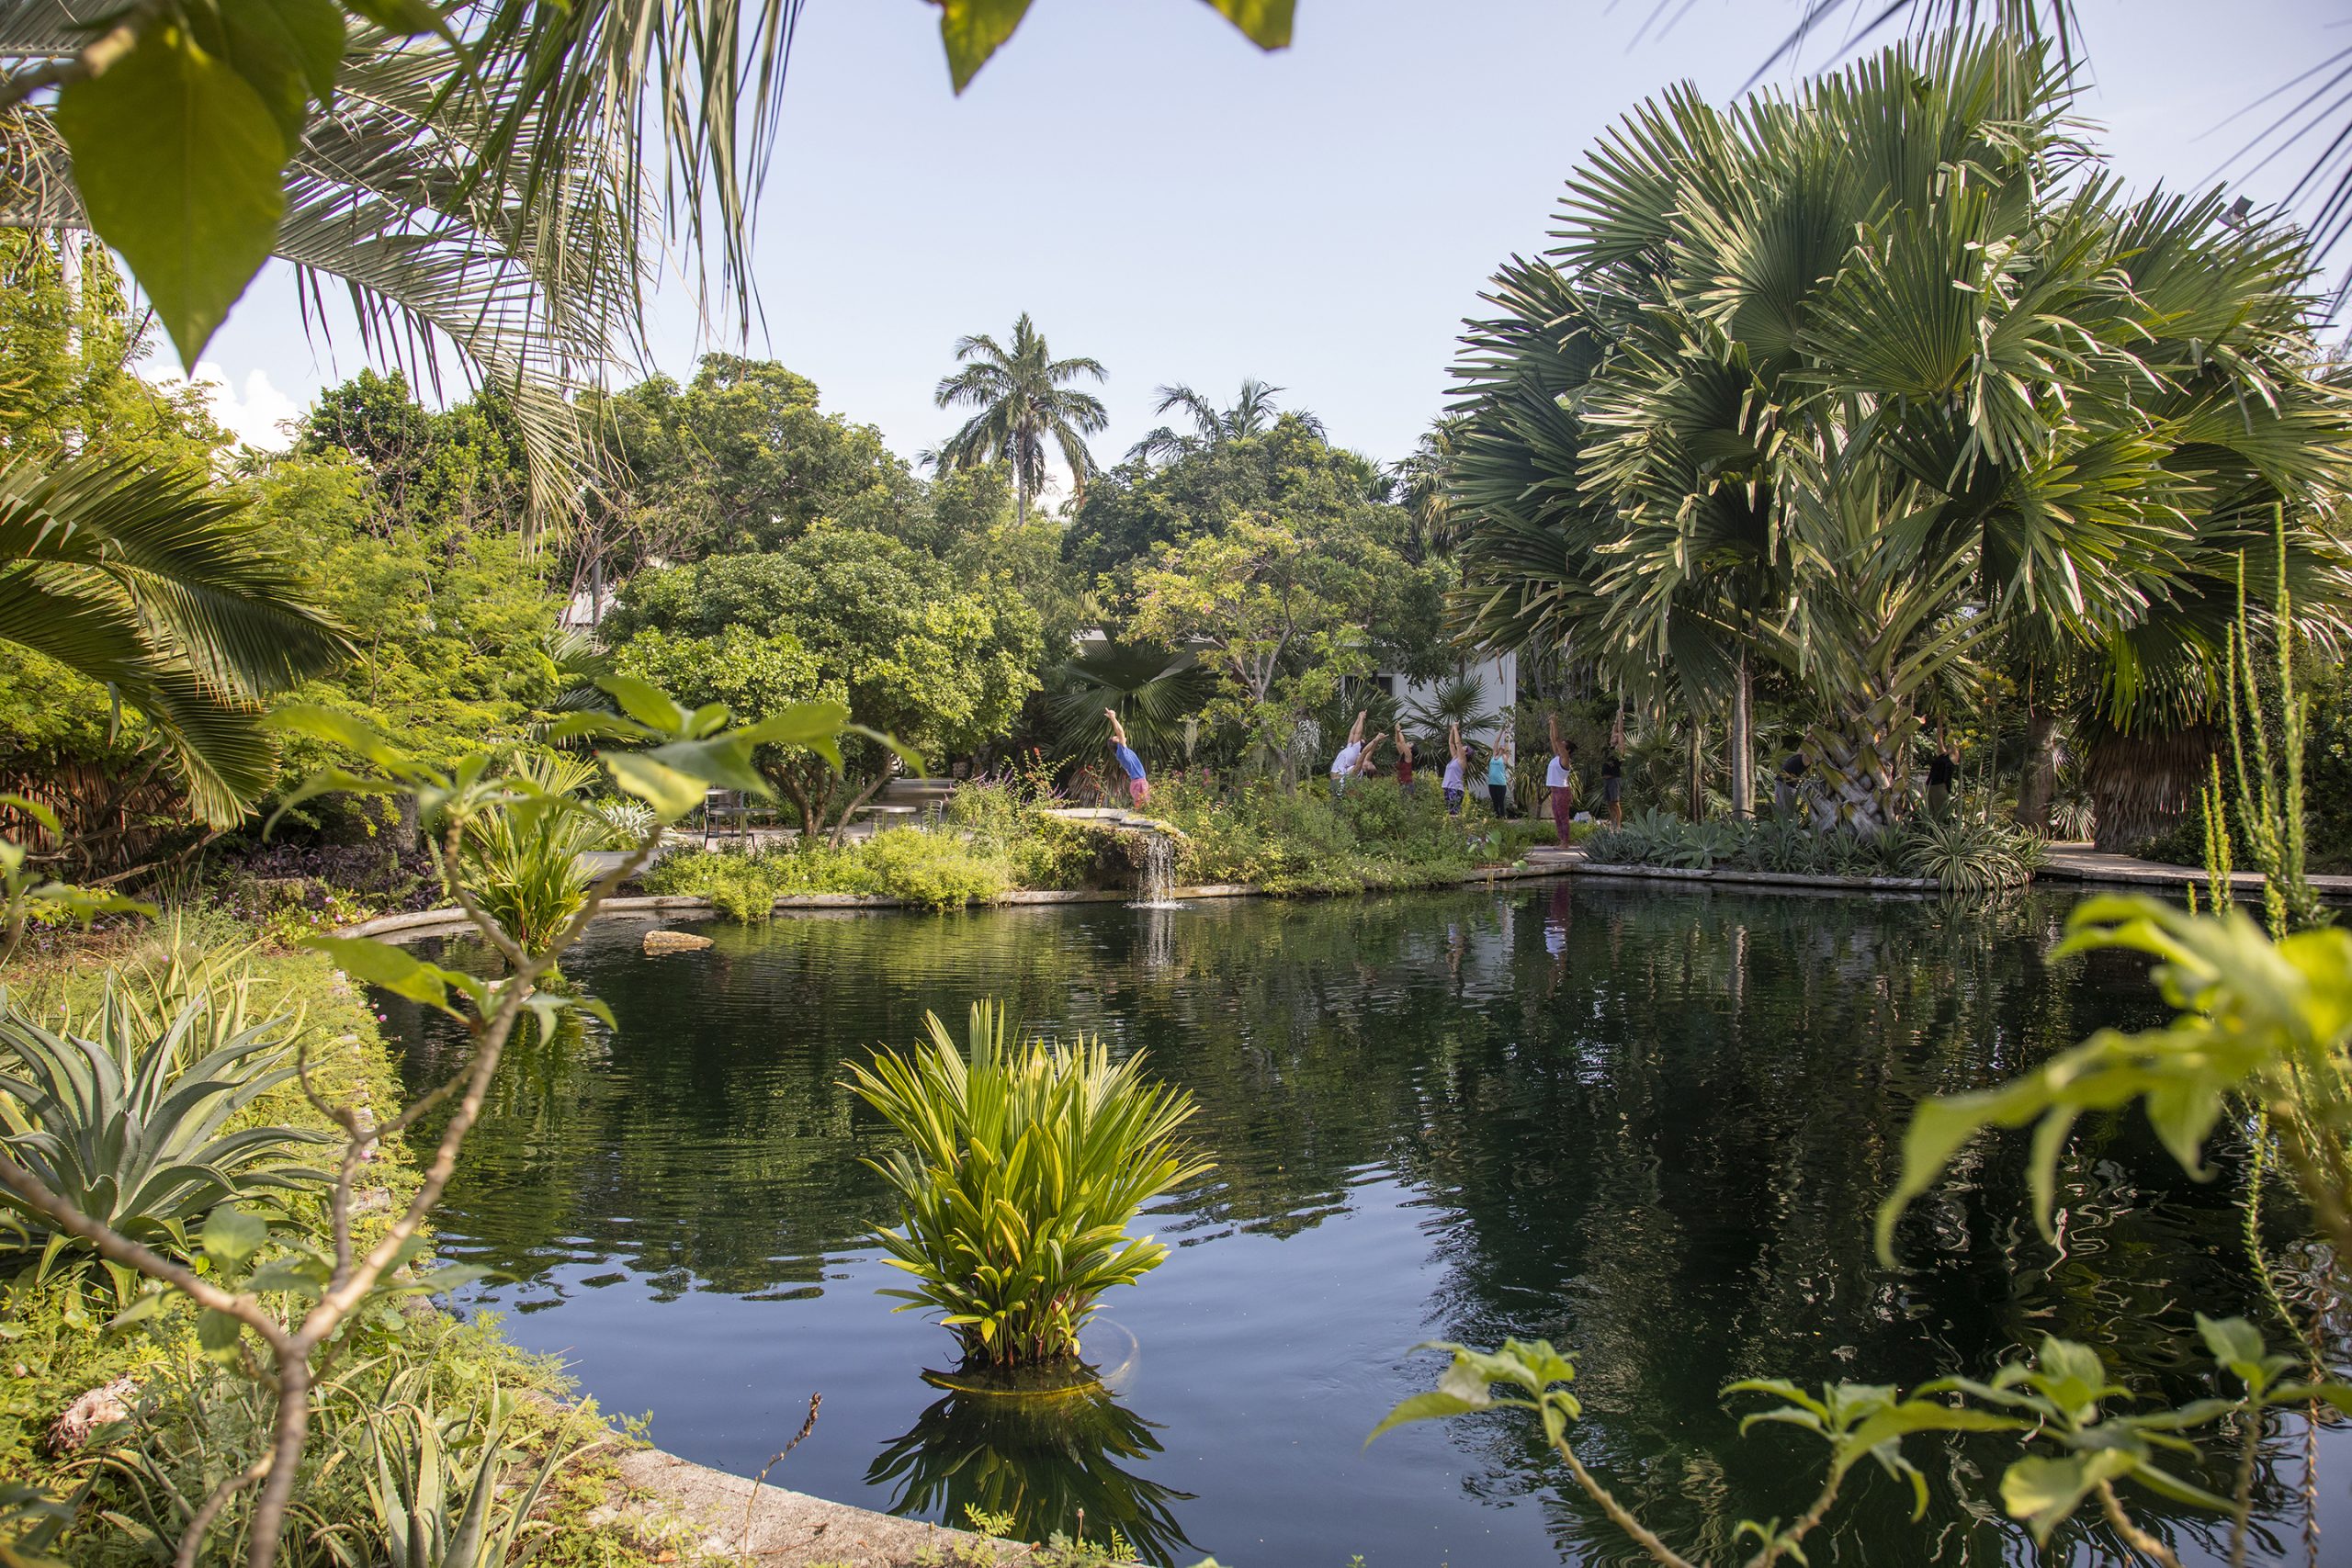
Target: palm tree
1253	412
1768	314
154	585
1154	690
1023	405
2316	119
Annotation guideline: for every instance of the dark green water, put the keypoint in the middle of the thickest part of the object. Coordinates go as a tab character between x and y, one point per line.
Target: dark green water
1649	1125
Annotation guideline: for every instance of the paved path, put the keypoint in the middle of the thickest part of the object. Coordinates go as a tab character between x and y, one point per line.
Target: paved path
2080	863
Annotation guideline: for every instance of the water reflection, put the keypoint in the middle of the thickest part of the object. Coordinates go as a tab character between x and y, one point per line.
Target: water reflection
1650	1125
1048	1462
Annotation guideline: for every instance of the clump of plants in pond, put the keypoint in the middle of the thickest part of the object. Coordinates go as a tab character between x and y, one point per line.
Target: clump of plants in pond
1023	1165
1964	853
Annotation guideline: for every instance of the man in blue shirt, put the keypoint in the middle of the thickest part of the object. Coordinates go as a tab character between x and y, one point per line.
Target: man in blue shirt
1138	787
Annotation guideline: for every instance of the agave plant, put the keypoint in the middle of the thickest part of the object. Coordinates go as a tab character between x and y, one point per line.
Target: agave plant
1966	854
1023	1165
126	1121
432	1513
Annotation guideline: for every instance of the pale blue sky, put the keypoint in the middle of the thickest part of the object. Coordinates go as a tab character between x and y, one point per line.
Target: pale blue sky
1161	195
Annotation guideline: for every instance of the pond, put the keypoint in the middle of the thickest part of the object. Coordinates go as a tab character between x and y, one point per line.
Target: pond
1650	1125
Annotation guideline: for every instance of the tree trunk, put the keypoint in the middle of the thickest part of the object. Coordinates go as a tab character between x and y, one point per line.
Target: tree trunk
1742	743
1698	811
2041	767
1857	766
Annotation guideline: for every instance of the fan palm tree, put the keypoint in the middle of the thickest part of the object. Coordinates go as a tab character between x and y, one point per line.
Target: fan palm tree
1153	690
1911	283
1253	412
2316	116
1023	405
154	585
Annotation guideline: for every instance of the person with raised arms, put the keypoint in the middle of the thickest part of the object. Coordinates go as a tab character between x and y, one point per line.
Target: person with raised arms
1457	769
1350	760
1139	787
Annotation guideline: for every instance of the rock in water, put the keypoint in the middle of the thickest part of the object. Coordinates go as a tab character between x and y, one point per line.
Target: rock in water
658	943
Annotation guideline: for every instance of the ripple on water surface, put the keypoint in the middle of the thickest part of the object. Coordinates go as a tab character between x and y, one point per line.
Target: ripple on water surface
1648	1125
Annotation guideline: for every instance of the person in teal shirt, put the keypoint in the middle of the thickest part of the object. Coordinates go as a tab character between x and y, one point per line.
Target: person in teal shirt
1499	771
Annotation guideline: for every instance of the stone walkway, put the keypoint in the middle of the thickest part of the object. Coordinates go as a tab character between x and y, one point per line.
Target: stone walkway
2080	863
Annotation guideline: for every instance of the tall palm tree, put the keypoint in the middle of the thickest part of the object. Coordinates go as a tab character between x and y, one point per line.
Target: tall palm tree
1023	405
1765	313
154	585
1253	412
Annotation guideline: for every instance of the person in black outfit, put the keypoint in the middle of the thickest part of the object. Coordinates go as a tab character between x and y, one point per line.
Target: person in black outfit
1943	768
1612	787
1784	788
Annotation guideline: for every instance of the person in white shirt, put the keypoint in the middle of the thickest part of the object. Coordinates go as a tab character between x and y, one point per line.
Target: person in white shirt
1350	760
1560	778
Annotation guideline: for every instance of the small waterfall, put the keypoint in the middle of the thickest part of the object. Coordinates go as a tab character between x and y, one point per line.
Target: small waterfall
1157	879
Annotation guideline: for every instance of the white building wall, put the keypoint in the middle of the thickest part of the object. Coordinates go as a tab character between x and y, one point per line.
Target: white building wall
1497	678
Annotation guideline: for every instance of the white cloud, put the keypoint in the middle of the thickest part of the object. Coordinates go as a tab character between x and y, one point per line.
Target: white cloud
256	416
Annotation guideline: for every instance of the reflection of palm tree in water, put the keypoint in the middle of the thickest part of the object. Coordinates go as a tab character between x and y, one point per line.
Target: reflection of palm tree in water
1048	1461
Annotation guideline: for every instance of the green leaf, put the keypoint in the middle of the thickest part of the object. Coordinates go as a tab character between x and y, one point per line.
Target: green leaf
287	51
233	1234
218	1333
1431	1406
2043	1492
802	724
380	964
975	29
972	30
2233	1342
32	809
671	793
1265	23
147	1304
181	166
646	703
405	19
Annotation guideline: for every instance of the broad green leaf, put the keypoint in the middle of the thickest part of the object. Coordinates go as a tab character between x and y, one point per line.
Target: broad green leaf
802	724
334	728
1265	23
972	30
180	164
723	761
380	964
646	703
32	809
287	51
2232	1341
147	1306
233	1234
2043	1492
671	793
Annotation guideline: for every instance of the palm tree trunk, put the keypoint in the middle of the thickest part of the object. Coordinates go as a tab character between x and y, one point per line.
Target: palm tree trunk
1742	742
1698	770
1857	762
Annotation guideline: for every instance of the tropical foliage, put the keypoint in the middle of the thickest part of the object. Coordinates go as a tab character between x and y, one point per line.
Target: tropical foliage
130	1112
1025	1164
1865	382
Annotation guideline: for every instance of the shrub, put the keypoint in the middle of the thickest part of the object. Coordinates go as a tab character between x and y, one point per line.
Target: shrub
937	871
522	862
128	1119
1025	1164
